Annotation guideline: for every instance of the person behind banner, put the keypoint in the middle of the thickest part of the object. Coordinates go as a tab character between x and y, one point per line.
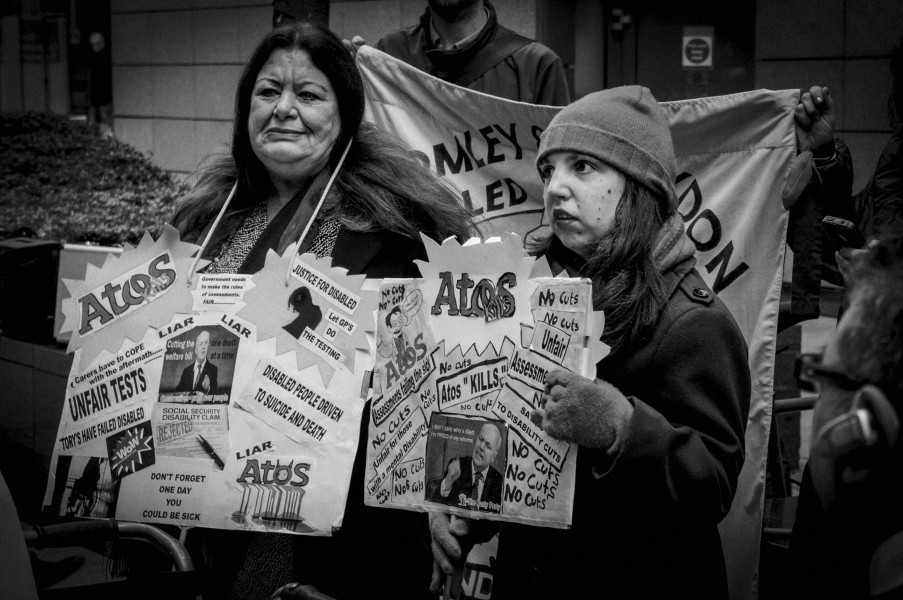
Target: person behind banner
661	429
876	208
298	137
471	481
462	42
200	376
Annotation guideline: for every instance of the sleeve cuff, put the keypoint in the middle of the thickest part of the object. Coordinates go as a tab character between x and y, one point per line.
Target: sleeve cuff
825	154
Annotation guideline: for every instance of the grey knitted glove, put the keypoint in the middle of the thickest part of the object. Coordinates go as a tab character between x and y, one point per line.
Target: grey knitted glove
585	412
451	545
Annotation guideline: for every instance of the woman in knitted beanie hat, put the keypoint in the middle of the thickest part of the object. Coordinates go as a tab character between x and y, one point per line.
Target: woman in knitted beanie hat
661	429
616	146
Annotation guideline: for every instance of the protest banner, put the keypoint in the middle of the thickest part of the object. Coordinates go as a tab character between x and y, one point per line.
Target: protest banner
733	156
233	402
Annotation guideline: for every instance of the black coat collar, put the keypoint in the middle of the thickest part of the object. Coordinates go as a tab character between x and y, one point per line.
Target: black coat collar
354	250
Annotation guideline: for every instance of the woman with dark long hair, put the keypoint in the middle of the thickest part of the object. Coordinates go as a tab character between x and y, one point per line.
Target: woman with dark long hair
661	429
303	167
298	110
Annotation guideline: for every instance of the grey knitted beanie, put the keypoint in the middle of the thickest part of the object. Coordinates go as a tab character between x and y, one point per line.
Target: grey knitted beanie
624	127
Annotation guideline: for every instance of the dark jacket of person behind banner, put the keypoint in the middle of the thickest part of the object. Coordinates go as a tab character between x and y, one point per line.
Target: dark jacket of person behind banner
876	209
519	68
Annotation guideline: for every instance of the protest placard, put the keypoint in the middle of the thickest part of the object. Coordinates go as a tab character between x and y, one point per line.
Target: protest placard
449	426
233	402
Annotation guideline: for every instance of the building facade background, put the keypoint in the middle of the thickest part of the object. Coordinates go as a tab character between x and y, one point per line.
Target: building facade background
176	62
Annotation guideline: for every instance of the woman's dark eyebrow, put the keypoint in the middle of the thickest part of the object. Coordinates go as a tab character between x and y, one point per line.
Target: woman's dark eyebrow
306	82
266	79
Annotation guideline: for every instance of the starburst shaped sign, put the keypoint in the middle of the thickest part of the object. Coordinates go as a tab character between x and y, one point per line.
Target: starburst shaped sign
313	308
131	450
141	288
486	282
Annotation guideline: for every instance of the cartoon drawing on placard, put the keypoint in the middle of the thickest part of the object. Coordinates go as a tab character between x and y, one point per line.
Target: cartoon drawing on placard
465	467
397	343
404	340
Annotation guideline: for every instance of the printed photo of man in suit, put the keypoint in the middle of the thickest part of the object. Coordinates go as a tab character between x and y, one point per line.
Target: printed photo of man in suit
471	481
199	376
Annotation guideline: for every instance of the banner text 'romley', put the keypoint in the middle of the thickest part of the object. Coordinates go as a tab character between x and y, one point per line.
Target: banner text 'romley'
475	149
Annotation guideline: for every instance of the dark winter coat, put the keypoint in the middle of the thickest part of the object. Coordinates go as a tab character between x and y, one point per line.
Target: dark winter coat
879	205
875	209
645	520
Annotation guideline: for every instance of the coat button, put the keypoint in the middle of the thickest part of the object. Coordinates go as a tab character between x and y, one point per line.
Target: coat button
700	293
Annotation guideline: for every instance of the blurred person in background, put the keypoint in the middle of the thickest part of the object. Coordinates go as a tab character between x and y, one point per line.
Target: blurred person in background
847	540
100	84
